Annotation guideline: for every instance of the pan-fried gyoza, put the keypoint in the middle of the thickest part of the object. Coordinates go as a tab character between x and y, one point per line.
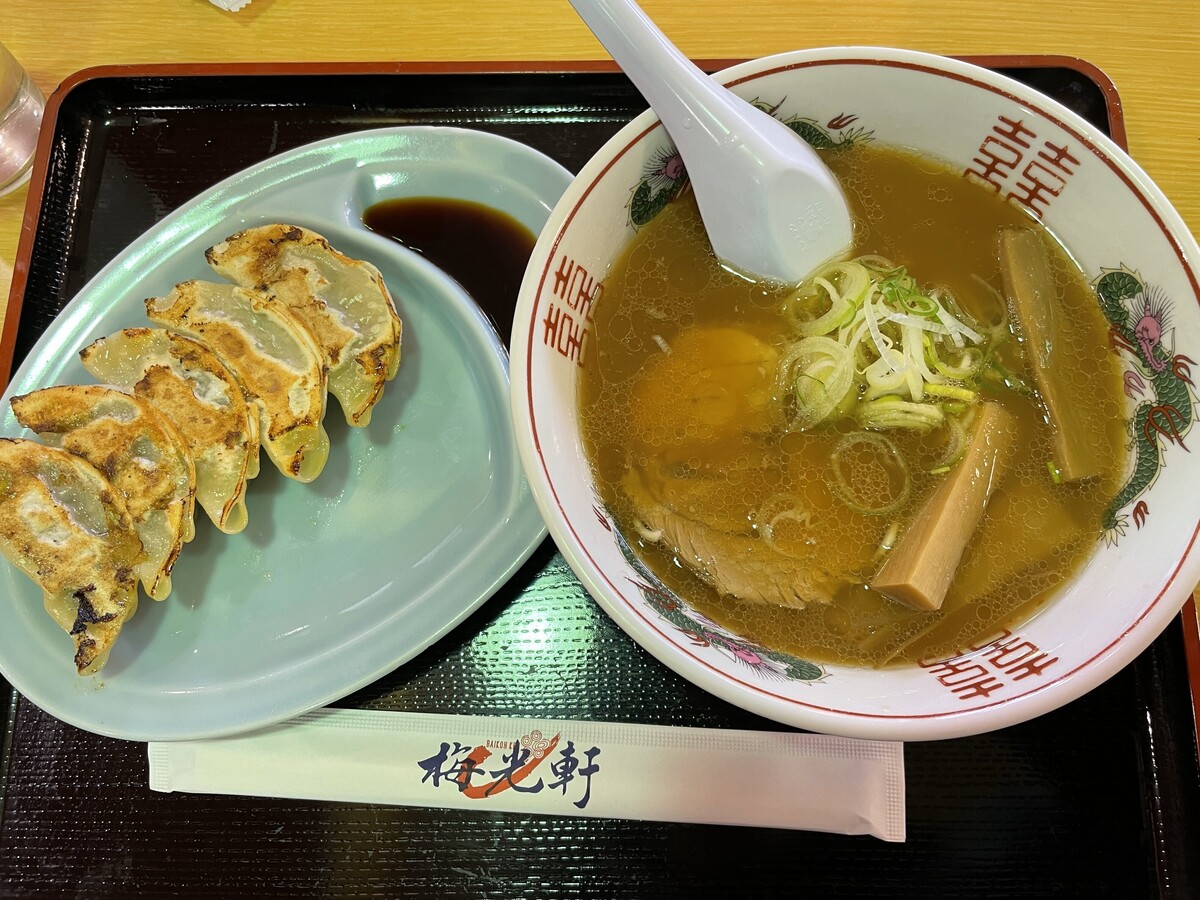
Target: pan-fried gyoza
106	498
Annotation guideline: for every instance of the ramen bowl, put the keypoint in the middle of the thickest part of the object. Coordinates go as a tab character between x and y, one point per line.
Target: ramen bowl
1131	245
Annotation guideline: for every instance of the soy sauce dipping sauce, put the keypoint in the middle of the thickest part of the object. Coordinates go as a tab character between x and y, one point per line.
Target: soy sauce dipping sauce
483	249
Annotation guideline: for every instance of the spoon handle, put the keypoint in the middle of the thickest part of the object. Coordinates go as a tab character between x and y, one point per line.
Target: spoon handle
679	92
770	205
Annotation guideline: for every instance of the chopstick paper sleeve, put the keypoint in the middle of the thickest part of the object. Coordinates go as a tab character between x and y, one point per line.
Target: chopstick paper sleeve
554	767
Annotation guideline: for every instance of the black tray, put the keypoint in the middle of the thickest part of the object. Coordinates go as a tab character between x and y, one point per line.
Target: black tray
1098	799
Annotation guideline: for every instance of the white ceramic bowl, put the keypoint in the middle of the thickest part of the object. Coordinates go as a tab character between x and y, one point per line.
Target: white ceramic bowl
1110	217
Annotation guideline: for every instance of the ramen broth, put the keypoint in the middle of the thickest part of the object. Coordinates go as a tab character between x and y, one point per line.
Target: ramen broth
678	405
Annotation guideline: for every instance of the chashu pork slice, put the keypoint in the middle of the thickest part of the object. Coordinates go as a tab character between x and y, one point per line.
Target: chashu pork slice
64	525
185	381
140	453
736	565
343	300
274	357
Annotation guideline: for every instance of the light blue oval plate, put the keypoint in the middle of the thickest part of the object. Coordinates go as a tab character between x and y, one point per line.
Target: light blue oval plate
416	519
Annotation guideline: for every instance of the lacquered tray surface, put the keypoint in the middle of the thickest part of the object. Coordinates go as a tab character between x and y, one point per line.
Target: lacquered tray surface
1100	798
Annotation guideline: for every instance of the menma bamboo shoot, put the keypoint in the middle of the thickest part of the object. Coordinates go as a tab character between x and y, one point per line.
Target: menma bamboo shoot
1034	299
921	567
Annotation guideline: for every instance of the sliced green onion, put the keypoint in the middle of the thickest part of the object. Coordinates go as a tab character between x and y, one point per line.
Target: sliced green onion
998	374
892	412
970	361
1055	472
888	541
956	445
879	265
886	375
871	488
840	311
790	507
953	391
919	305
1002	322
925	324
958	331
902	340
845	284
882	343
819	372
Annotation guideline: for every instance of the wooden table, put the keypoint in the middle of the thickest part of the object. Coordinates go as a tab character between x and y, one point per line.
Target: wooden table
1155	70
1148	47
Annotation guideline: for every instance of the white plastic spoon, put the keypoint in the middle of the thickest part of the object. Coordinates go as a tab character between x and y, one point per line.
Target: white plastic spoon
770	206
